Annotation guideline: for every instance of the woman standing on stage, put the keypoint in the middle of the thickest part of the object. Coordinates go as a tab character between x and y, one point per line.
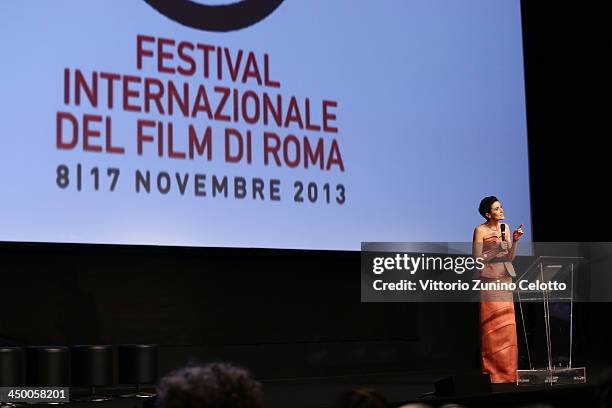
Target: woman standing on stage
498	343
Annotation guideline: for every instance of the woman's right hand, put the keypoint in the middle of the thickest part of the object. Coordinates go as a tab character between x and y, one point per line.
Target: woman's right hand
503	245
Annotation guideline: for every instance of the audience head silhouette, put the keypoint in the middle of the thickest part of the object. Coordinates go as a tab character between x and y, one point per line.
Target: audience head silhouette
362	398
216	385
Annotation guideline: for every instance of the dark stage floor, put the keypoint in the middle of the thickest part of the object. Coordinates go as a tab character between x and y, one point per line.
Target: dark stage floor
411	387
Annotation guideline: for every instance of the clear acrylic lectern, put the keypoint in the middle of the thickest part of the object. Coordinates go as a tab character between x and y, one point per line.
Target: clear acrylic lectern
549	283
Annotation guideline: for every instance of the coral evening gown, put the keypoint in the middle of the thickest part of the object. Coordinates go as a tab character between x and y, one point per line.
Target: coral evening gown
498	341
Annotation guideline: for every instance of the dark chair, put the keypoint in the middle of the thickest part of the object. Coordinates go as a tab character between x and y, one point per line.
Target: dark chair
12	367
138	365
48	366
92	366
12	370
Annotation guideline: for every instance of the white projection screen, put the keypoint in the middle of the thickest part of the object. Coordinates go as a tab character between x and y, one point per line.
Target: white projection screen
285	124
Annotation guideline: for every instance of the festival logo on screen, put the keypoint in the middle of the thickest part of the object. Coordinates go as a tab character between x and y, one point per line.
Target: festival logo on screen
195	119
224	17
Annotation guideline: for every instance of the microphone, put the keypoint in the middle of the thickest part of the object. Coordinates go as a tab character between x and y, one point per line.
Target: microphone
509	266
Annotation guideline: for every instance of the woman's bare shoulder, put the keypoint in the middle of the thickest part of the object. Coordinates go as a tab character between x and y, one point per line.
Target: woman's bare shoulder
479	231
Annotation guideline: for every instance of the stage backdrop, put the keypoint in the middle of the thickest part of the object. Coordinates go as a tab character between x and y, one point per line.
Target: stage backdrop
275	124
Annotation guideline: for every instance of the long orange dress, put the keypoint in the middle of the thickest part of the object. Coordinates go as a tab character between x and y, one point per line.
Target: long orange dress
498	342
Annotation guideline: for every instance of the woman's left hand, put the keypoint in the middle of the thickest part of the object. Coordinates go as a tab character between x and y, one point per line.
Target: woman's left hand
518	233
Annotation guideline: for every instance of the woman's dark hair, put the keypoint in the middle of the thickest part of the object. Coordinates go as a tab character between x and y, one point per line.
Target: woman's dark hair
485	205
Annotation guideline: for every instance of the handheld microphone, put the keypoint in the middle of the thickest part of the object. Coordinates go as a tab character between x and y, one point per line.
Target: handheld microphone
509	266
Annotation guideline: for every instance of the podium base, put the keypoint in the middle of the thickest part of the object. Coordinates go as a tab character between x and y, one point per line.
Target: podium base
556	376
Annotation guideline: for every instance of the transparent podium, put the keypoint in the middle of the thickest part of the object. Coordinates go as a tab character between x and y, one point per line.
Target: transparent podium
547	290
